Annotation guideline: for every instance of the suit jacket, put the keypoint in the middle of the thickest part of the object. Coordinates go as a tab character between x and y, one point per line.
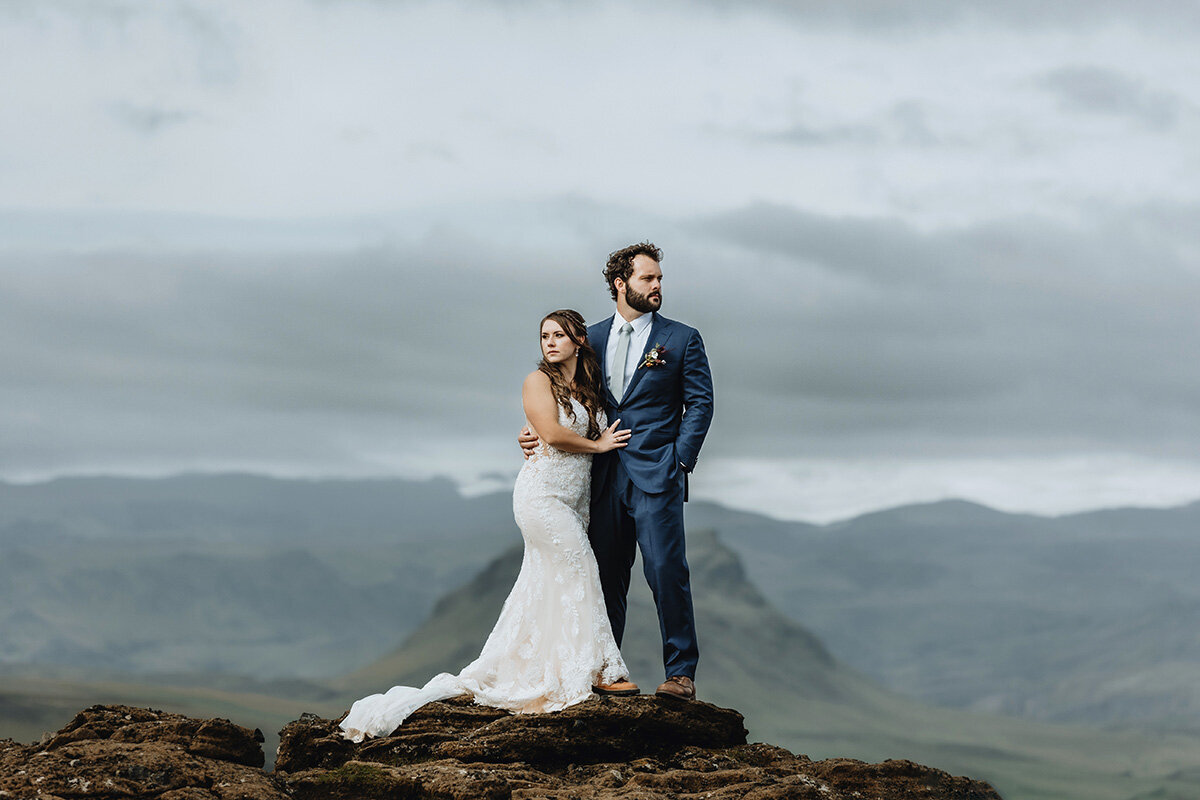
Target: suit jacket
668	407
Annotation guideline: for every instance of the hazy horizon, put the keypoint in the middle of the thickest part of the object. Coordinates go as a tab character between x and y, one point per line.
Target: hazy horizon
838	507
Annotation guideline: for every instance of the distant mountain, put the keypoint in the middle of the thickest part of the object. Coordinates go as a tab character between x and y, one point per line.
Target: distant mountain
240	509
1082	618
274	605
730	612
794	693
124	607
230	574
32	705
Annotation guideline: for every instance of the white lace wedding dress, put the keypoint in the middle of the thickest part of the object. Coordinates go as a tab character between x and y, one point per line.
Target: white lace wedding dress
553	641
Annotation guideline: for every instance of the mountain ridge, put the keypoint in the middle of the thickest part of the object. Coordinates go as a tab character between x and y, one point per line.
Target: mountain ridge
949	601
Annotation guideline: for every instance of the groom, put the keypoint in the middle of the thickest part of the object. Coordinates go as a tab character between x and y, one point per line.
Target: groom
660	387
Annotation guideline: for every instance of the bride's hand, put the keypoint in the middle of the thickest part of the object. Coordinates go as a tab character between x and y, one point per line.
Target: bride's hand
528	440
611	438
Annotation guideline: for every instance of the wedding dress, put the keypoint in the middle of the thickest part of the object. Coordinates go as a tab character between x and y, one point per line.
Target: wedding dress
553	641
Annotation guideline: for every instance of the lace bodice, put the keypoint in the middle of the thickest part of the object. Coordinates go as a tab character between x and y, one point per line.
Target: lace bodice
566	475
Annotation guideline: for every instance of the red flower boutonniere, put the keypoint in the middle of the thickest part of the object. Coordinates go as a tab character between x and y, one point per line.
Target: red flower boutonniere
654	357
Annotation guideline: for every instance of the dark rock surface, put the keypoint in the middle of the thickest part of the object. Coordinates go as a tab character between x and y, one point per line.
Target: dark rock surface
211	738
124	752
635	747
617	729
641	748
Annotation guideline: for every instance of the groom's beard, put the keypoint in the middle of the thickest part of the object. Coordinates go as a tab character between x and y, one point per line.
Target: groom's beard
644	303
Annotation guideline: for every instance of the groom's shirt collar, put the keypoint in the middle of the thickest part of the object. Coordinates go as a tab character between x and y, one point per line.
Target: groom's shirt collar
640	325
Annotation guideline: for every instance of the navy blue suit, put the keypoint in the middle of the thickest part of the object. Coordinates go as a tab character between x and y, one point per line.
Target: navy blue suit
638	490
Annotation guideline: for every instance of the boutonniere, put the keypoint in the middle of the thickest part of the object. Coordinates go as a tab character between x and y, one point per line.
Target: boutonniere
654	357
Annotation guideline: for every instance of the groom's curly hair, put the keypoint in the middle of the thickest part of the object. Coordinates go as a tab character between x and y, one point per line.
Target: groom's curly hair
620	263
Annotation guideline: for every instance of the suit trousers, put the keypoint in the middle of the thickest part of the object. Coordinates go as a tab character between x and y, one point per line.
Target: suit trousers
624	519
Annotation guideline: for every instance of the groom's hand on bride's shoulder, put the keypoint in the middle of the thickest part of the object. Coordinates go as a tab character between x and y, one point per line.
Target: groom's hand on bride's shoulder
528	441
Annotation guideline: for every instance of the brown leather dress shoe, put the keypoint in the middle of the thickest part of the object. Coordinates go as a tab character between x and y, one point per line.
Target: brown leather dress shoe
618	689
678	686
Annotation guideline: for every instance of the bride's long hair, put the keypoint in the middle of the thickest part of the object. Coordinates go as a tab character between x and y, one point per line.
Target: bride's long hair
587	370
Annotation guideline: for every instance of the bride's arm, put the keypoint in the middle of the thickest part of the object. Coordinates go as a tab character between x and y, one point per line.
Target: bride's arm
542	412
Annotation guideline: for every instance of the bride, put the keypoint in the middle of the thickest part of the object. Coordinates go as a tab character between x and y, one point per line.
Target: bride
552	646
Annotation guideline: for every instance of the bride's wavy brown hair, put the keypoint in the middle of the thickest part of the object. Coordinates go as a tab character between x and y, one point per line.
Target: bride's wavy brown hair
587	370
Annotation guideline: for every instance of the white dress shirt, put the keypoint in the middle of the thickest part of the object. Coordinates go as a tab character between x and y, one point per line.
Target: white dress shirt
638	343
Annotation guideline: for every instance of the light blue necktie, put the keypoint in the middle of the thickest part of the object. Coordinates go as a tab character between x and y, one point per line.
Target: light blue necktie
617	380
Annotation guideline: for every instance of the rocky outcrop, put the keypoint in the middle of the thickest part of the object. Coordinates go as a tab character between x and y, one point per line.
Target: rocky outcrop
634	747
642	748
610	730
124	752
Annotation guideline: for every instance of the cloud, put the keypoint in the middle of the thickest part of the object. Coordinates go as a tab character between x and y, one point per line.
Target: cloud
148	119
160	355
885	16
905	124
828	336
1096	90
1012	335
806	135
314	235
300	109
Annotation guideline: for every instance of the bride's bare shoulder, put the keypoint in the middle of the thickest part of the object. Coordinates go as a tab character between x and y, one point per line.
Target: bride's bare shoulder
537	380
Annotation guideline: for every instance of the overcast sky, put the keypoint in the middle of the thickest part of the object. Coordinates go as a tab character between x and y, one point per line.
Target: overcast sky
935	249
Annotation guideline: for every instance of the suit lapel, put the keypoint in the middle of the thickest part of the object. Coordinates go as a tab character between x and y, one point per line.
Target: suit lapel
599	343
660	333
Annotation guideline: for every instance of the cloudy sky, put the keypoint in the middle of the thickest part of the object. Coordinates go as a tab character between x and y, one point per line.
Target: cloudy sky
949	249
